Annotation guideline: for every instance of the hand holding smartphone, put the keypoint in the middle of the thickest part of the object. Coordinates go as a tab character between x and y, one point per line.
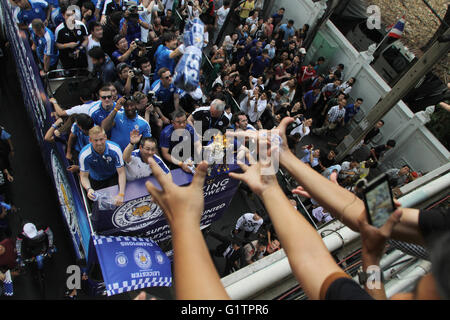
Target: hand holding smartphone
378	201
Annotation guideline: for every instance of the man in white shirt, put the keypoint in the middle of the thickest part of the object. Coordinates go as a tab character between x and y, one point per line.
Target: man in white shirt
249	222
254	103
221	16
136	162
96	34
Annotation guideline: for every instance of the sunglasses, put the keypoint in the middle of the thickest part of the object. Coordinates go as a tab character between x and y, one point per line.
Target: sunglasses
168	77
106	97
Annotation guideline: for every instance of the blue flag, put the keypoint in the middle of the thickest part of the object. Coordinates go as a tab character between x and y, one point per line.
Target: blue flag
130	263
187	71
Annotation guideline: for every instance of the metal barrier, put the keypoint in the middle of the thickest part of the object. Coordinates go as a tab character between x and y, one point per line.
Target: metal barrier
55	78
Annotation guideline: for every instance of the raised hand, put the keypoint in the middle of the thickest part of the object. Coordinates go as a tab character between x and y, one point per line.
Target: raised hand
183	206
135	137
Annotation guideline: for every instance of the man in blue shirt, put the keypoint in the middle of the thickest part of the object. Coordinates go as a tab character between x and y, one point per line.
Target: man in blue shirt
103	67
121	123
168	141
28	10
166	53
259	65
277	17
101	165
79	136
130	24
125	52
101	109
45	45
288	29
309	98
166	92
352	109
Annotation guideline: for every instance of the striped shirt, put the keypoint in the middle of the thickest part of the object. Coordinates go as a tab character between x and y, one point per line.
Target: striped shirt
136	168
38	10
336	114
45	46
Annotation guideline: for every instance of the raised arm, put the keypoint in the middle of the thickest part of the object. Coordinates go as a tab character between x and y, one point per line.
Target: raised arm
308	256
195	275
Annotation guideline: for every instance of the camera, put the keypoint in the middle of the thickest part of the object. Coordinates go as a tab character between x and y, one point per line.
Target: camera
133	12
153	99
139	43
137	72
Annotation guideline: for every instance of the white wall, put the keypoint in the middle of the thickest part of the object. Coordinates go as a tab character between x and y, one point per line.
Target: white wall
416	145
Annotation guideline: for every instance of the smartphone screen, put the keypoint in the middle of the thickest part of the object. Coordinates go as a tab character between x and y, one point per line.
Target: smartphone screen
378	201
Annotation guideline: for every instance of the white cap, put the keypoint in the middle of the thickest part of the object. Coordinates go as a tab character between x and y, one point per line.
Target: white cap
30	230
302	51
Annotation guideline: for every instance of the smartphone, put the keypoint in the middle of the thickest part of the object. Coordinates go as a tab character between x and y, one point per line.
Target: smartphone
378	200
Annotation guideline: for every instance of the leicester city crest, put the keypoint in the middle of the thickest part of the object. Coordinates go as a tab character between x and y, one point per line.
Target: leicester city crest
137	210
142	258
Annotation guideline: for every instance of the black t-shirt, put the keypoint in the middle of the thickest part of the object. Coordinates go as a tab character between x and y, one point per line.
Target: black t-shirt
379	150
370	135
203	114
326	162
346	289
64	35
433	223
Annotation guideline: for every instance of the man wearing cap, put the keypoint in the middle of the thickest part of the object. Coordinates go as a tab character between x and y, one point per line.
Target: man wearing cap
32	241
101	165
121	123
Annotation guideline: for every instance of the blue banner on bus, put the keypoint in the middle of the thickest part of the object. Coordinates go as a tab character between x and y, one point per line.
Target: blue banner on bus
130	264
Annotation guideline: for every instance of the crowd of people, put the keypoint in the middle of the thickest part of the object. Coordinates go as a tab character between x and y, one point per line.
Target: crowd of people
122	130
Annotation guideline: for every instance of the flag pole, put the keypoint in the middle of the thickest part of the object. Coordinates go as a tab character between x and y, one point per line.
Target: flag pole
387	34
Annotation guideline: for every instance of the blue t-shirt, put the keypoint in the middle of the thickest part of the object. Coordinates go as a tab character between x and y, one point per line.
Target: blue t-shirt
310	98
163	59
120	132
45	45
165	138
259	65
38	10
101	166
350	112
306	159
133	30
5	135
98	114
288	32
164	94
82	139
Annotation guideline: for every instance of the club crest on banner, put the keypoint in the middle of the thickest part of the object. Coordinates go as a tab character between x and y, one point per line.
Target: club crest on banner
140	209
142	258
121	260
